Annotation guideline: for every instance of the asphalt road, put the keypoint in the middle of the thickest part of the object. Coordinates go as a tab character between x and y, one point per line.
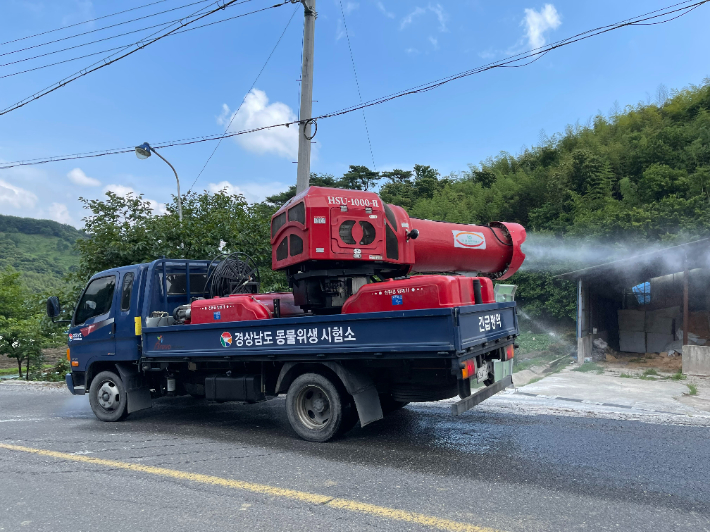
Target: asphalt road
189	465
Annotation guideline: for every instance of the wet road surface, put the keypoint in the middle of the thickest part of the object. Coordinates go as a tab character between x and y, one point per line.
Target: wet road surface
190	465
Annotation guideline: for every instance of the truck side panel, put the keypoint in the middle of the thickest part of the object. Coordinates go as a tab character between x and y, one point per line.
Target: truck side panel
380	333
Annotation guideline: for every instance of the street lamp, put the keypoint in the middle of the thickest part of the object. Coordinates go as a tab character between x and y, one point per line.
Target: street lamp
143	152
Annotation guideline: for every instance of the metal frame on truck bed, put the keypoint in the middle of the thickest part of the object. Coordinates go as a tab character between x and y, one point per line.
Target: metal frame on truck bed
335	369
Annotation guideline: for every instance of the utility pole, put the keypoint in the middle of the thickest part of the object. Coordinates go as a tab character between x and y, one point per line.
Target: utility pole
304	127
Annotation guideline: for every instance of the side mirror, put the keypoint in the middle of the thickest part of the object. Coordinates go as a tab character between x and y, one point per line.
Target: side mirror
413	234
53	307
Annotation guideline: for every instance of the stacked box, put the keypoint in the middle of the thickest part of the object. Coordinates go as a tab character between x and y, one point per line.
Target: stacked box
632	341
632	335
632	320
656	342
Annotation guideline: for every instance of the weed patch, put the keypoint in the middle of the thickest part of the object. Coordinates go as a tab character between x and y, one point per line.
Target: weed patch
693	390
590	366
626	376
678	376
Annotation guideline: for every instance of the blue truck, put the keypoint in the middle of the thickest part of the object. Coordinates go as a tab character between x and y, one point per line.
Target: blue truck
126	350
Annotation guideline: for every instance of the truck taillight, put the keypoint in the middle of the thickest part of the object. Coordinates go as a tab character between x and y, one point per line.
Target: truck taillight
469	368
68	355
509	352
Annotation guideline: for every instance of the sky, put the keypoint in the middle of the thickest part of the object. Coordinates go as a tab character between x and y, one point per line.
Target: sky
192	84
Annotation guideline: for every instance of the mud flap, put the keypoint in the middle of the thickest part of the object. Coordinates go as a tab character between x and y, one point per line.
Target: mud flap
137	391
481	395
361	386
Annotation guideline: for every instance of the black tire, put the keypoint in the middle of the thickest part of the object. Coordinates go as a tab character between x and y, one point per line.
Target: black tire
107	396
464	388
389	404
314	407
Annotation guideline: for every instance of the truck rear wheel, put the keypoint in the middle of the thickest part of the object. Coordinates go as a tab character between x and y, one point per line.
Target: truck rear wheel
107	396
314	407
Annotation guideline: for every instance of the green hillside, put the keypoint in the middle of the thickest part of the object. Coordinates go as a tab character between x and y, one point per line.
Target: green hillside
42	250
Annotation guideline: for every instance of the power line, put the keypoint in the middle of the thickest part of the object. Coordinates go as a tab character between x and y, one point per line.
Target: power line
107	39
357	83
115	48
531	56
102	29
107	61
83	22
226	130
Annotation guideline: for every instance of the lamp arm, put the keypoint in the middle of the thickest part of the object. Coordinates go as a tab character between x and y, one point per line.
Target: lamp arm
179	200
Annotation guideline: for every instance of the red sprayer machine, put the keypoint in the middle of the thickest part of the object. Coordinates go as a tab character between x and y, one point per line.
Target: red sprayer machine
334	243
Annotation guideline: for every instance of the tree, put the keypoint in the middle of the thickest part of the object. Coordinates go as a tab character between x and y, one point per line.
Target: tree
426	181
21	335
124	230
398	176
359	178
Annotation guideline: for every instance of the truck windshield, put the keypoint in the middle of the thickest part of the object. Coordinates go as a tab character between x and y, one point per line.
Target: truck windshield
96	299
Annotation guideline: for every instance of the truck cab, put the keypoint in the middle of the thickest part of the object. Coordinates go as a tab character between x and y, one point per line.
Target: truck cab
106	324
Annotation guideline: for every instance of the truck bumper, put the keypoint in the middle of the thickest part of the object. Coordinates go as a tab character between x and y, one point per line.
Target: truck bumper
75	390
481	395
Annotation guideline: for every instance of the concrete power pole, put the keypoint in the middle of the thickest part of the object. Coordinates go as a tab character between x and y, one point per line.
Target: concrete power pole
304	128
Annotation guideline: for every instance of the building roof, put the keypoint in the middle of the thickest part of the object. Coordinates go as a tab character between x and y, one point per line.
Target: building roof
644	266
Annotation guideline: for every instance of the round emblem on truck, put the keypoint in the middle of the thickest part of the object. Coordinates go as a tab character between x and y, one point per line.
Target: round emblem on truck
226	339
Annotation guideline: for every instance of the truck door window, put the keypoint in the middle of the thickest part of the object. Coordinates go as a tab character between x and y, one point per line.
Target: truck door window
126	291
96	299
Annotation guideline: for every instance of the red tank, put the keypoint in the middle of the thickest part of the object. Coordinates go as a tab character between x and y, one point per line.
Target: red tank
420	292
240	307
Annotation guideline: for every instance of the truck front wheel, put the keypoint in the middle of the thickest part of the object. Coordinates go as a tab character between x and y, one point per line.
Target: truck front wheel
314	407
107	396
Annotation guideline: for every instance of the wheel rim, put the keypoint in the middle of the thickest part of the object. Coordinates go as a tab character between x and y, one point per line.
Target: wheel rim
313	407
108	396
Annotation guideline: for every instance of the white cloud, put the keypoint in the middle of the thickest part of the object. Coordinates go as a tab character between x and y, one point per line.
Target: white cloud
123	191
252	192
339	30
16	197
78	177
384	11
411	51
59	213
538	22
256	111
120	190
438	10
406	21
434	42
349	7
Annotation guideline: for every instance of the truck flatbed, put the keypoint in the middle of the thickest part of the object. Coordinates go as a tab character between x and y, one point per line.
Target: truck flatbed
459	332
